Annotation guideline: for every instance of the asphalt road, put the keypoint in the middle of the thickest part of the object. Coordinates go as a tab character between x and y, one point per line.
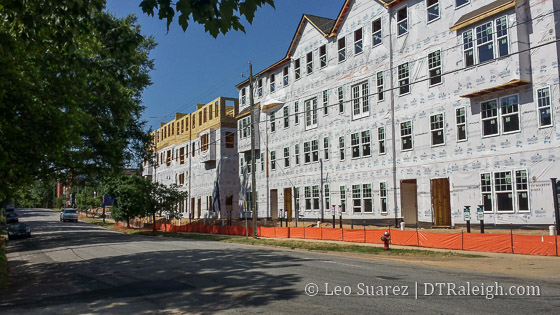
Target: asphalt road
77	268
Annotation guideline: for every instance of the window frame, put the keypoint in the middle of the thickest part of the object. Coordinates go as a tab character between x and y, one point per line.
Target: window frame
272	83
326	147
435	64
341	148
440	127
458	124
286	157
428	6
296	153
297	69
381	140
403	69
259	88
380	83
383	198
273	160
310	106
296	113
272	122
342	190
549	106
315	197
340	93
314	151
286	112
341	52
379	33
462	4
358	42
365	140
407	135
323	61
325	97
360	100
285	76
309	63
399	34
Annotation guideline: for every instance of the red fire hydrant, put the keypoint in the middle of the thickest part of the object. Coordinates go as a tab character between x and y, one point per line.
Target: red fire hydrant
386	238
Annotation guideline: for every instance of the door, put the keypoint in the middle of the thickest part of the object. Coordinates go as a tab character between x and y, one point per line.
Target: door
199	207
441	202
192	208
288	202
274	203
409	202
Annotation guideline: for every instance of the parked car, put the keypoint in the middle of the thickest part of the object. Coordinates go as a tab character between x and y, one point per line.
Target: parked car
68	214
12	217
10	208
19	230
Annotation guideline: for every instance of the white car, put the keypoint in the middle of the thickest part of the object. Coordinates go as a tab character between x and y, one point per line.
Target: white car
68	214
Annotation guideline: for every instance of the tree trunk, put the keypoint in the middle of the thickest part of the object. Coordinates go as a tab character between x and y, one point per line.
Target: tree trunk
154	220
127	222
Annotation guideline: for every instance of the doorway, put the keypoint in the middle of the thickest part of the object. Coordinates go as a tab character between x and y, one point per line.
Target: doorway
274	203
192	208
441	203
288	202
409	201
199	207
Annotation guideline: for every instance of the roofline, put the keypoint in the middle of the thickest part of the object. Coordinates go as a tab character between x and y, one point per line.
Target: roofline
339	18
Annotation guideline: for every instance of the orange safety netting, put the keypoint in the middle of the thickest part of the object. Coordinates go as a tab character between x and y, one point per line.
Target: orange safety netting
498	243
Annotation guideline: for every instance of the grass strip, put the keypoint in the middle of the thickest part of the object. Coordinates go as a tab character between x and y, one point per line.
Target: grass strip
308	245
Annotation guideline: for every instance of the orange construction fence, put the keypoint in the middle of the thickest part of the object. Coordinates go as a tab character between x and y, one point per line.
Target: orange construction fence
496	243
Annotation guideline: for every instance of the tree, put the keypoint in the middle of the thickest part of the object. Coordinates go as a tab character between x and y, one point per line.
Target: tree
129	195
70	93
86	199
217	16
163	198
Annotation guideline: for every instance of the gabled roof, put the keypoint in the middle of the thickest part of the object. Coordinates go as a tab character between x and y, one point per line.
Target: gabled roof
327	27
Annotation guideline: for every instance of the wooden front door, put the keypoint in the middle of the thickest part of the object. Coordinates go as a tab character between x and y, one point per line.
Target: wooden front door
441	202
288	202
274	204
409	204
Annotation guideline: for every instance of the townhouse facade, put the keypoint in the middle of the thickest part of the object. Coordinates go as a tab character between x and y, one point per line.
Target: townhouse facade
410	110
198	152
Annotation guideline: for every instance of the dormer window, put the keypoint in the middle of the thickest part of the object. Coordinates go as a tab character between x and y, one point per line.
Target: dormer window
341	49
272	83
358	43
309	60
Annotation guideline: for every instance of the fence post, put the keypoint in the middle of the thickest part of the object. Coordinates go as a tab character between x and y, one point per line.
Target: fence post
417	238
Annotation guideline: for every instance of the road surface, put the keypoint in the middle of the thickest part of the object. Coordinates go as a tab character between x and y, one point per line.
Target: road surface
77	268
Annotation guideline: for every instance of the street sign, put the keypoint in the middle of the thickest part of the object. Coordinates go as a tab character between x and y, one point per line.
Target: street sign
480	214
467	214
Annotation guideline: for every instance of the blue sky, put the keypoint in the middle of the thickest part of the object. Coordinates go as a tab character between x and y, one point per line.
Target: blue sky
192	67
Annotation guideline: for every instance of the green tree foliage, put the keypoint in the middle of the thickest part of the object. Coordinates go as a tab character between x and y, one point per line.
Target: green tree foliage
71	80
86	199
38	194
217	16
129	193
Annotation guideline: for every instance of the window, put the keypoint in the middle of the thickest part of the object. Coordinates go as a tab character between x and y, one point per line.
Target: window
296	150
272	160
376	32
406	135
461	119
204	142
434	67
355	142
286	116
249	164
510	113
216	110
308	199
484	42
316	197
381	139
367	202
356	198
182	156
259	88
323	56
459	3
360	100
307	152
230	140
262	161
326	148
545	110
383	196
341	148
436	127
210	112
296	112
358	43
296	192
468	50
342	49
287	157
327	197
404	76
297	69
402	21
272	83
486	191
501	36
243	98
380	93
504	191
366	143
315	150
245	127
286	80
340	99
273	122
311	113
343	198
325	102
489	115
522	190
309	60
432	10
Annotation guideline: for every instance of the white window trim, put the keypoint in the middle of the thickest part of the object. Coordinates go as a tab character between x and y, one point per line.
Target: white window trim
381	198
516	192
411	135
498	118
326	106
296	113
338	50
308	63
428	21
518	114
285	77
373	45
538	108
512	191
296	69
352	157
494	41
398	80
440	69
491	191
465	123
361	97
341	148
384	140
377	86
442	130
326	149
287	157
362	143
361	40
397	22
326	57
310	112
462	5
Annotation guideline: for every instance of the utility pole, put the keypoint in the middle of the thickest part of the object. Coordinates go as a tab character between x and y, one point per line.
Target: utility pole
253	159
393	127
322	201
